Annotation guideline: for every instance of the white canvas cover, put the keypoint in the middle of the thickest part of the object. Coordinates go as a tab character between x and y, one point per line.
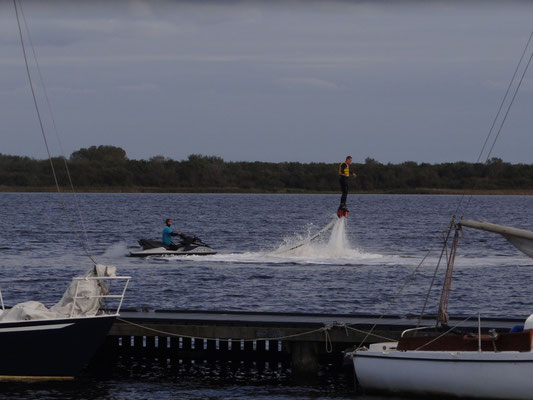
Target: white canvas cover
88	305
520	238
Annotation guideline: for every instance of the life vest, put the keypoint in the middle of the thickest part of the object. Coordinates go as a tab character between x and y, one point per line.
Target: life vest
344	169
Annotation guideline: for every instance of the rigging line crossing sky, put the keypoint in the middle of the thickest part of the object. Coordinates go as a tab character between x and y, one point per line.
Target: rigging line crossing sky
503	119
503	102
83	244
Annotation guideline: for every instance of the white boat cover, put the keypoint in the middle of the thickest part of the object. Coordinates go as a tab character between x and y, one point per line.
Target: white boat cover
87	303
520	238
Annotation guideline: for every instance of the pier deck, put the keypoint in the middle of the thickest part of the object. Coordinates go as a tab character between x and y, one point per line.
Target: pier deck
301	341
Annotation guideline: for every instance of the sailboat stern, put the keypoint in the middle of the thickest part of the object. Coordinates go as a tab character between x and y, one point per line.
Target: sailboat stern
473	374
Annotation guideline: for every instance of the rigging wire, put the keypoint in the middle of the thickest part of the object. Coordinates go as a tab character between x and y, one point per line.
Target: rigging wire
510	105
394	298
450	227
503	100
452	222
444	247
49	106
520	61
487	157
41	125
505	117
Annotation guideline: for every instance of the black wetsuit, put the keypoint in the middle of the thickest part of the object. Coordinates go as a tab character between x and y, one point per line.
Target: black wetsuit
344	174
344	189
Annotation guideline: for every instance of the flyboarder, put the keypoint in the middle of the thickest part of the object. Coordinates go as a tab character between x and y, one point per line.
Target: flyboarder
344	174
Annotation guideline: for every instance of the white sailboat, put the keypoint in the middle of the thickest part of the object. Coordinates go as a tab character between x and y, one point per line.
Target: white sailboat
490	366
438	360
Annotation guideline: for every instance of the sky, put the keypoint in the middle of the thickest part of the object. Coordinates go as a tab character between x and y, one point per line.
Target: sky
306	81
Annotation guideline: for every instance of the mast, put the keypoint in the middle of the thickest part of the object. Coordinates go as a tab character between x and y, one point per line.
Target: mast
442	315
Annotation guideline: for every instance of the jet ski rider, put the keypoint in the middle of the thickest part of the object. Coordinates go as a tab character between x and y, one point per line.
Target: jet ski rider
168	233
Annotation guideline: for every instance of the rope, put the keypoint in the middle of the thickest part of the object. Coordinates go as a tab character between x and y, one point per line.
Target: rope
326	329
223	340
328	344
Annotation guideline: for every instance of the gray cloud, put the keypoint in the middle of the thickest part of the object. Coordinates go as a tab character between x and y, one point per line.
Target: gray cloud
273	81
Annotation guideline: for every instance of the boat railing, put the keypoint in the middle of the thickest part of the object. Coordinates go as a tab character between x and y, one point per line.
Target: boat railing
416	329
119	297
2	301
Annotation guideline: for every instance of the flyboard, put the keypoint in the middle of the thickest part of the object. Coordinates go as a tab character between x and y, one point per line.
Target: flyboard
342	212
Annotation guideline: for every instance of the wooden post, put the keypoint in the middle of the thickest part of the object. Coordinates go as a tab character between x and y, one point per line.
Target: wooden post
304	359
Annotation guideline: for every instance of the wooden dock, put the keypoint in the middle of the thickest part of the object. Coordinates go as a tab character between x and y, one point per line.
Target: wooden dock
301	342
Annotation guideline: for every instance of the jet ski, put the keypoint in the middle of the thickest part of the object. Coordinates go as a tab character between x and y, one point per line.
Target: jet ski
189	246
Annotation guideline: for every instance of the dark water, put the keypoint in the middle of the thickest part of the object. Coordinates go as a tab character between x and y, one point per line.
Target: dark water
356	268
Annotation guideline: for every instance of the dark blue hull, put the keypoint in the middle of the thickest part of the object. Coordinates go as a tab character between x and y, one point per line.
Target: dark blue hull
53	349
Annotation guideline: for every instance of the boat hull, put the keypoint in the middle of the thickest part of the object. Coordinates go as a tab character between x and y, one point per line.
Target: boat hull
161	251
50	349
471	374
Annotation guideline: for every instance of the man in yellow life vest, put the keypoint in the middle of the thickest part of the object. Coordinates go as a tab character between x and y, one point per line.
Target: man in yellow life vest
344	174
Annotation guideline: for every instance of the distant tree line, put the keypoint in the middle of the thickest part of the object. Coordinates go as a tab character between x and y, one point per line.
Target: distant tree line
108	168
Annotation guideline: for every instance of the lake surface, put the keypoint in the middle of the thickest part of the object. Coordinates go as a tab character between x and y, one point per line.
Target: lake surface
358	266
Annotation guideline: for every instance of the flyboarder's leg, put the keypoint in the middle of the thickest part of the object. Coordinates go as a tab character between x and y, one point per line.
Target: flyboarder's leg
343	181
343	210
